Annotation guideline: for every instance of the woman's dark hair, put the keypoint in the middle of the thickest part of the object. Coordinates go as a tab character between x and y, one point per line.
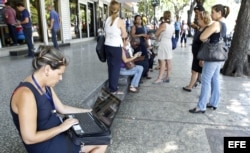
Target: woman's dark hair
137	17
47	55
7	3
225	10
167	17
19	4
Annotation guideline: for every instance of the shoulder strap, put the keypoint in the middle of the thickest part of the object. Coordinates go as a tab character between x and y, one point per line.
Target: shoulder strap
223	30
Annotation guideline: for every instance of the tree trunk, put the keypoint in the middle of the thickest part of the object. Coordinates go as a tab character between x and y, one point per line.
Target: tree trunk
189	15
237	63
200	2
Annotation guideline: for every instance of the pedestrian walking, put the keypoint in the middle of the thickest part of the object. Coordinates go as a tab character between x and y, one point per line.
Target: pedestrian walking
54	24
25	21
10	20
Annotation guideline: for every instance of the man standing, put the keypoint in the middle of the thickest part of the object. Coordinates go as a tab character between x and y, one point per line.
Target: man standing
25	21
177	26
54	25
10	20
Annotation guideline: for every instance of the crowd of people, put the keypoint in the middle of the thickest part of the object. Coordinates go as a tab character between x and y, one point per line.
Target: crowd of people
24	22
34	103
206	27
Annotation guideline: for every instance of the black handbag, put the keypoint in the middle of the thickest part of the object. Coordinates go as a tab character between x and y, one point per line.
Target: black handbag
100	50
213	51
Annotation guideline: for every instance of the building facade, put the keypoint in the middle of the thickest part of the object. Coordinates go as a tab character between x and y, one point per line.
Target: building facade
79	19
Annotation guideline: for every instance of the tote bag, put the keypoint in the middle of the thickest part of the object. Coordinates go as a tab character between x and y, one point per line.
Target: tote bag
213	51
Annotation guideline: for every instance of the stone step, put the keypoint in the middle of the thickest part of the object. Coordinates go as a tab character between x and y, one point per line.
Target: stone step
20	52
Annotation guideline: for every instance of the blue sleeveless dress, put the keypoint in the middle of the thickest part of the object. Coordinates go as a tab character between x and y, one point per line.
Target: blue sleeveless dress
46	120
142	47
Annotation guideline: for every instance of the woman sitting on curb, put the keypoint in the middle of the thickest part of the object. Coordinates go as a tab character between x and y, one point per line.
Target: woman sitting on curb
34	106
136	71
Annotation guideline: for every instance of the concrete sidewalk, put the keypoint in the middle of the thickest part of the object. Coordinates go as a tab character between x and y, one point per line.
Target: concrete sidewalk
156	120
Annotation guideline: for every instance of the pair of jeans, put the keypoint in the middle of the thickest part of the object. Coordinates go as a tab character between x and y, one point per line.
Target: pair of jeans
12	32
114	59
54	37
177	34
184	38
145	65
27	31
210	84
136	72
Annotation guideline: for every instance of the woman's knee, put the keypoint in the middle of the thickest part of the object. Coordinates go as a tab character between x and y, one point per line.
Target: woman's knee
140	68
94	149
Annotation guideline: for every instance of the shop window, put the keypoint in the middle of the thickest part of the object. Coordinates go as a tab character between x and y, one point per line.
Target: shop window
83	19
74	19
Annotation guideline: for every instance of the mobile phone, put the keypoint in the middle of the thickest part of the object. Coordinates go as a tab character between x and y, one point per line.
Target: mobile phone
140	53
78	130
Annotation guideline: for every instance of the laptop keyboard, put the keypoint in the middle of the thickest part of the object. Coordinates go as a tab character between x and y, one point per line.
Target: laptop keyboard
88	124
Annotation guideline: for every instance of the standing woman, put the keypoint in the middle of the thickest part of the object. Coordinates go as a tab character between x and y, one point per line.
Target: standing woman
203	20
164	35
184	32
115	30
139	31
211	70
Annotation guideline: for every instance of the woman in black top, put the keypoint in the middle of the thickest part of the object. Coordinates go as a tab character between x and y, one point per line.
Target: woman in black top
204	20
139	31
210	79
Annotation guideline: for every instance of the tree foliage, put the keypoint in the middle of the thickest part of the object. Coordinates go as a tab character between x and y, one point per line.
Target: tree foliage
175	6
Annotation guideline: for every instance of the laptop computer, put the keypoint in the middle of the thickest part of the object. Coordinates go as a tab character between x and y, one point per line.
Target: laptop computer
88	124
106	107
100	119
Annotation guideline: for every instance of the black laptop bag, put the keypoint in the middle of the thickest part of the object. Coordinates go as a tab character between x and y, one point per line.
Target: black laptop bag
95	139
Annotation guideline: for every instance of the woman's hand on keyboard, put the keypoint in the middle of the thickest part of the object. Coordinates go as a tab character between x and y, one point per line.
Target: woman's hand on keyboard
68	123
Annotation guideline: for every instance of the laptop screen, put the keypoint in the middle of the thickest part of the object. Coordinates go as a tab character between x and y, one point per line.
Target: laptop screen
106	107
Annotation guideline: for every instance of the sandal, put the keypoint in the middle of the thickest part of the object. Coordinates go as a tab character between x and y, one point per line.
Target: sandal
133	90
158	81
196	110
118	93
157	68
187	89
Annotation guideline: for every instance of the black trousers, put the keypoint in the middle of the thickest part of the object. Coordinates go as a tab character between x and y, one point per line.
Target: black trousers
114	59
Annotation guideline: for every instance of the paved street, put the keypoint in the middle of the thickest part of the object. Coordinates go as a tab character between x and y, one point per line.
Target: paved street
156	120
